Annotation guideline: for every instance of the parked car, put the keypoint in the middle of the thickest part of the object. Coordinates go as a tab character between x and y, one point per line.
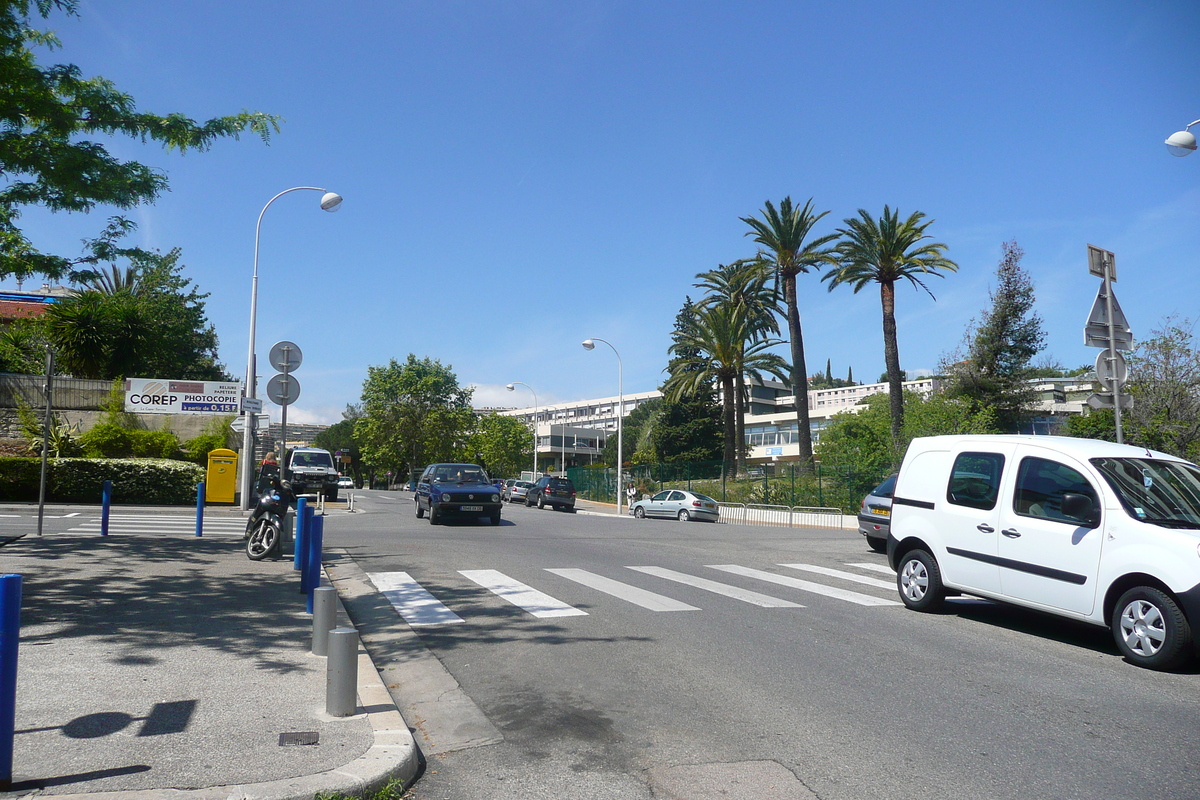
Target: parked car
311	471
1089	530
679	504
346	482
558	493
456	490
516	490
875	516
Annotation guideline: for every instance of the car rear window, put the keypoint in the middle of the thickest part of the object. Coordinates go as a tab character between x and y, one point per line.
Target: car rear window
561	483
886	488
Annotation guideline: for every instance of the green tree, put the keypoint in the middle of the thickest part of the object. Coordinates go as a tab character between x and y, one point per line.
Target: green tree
781	238
414	414
999	350
688	429
50	122
884	252
501	445
340	437
632	428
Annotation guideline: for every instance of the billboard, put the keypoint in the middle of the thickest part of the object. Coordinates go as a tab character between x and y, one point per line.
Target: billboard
158	396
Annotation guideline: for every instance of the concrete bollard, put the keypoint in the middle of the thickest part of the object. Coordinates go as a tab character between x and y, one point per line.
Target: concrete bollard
324	619
341	673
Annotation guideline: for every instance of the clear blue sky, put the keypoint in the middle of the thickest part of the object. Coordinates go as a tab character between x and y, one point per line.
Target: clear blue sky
519	176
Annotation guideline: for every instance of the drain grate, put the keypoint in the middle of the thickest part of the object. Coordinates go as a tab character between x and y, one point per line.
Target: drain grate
298	738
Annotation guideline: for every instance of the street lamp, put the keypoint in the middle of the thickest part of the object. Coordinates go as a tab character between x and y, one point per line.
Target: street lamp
1182	142
511	387
590	344
330	201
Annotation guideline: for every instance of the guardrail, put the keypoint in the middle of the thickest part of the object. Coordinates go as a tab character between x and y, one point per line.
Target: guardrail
780	516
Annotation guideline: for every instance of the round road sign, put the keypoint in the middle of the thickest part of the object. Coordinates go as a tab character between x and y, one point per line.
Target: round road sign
285	356
283	389
1107	370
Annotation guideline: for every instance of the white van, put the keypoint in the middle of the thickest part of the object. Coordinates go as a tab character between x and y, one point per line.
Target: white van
1095	531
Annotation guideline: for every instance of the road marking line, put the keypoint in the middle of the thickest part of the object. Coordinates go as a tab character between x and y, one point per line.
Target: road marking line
72	514
520	595
806	586
745	595
623	591
417	606
884	568
846	576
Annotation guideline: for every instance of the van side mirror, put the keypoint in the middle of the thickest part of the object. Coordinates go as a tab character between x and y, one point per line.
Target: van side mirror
1079	506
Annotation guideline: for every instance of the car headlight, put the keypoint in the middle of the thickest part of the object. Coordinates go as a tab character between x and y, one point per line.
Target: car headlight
495	498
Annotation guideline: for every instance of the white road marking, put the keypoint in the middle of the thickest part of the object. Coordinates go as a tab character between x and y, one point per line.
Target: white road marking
623	591
846	576
537	603
417	606
806	586
884	568
72	514
737	593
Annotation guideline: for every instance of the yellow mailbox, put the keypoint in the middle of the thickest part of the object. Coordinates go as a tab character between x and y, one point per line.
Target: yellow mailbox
220	483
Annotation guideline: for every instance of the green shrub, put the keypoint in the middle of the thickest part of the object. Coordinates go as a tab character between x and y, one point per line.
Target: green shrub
198	448
107	440
19	478
154	444
79	480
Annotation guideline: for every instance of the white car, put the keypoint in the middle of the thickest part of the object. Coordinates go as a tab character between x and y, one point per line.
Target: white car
1098	532
345	483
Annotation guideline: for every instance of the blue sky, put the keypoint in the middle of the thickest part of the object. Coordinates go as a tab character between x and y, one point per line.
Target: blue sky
520	176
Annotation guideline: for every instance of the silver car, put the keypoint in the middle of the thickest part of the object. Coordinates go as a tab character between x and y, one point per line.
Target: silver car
679	504
875	516
515	491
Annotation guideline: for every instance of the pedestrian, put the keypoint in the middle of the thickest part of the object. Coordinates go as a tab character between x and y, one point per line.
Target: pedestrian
631	493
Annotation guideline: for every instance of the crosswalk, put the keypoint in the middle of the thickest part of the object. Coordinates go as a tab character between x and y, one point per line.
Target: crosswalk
148	524
419	607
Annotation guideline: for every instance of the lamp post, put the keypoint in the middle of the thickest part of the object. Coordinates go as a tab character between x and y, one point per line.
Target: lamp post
330	201
1183	142
590	344
511	387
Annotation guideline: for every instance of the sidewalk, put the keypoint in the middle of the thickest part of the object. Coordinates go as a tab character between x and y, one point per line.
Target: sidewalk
158	662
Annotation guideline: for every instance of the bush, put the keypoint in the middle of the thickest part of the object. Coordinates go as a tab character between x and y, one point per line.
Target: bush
197	449
107	440
19	478
155	444
79	480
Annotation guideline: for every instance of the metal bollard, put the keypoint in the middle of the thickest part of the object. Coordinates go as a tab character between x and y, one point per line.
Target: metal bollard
298	557
324	619
316	536
105	502
10	634
341	673
199	509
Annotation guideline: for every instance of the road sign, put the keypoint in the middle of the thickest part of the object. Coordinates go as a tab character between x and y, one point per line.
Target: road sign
239	424
285	356
1105	400
283	389
251	404
1095	332
1100	260
1110	368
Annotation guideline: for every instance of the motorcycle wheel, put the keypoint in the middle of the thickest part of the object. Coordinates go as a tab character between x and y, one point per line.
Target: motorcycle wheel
263	541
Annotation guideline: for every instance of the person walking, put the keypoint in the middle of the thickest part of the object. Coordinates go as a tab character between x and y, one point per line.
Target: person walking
631	493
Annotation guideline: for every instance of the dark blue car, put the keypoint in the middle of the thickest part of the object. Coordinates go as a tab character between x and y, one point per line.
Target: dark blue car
456	490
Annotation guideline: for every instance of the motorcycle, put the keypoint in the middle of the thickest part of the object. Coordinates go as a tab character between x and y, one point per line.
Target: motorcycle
264	529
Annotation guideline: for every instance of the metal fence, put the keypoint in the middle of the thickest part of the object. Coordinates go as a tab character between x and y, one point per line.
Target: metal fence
69	393
780	516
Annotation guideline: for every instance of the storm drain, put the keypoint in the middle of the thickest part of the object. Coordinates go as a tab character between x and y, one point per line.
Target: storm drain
298	738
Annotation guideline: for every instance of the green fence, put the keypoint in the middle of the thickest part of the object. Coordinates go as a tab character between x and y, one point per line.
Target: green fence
832	486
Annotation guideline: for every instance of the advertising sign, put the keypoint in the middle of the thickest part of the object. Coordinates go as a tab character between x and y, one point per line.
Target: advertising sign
158	396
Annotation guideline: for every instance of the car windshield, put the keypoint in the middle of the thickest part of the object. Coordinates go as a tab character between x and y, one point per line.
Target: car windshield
311	460
1165	493
460	475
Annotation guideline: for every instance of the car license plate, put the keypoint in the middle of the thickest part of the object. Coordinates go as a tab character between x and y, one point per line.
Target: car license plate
880	511
471	508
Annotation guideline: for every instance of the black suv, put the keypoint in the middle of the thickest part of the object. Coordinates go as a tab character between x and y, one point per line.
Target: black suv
556	492
456	490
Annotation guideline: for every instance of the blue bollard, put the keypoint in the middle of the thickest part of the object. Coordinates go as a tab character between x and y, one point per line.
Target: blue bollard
199	509
10	635
316	537
105	502
298	544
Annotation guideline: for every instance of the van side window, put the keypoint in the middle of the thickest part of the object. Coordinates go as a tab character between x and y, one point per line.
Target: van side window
1040	487
975	480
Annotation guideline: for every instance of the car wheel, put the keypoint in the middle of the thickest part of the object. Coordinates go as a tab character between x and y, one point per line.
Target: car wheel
495	519
434	516
420	511
331	497
684	516
877	544
920	581
639	512
528	501
541	502
1150	630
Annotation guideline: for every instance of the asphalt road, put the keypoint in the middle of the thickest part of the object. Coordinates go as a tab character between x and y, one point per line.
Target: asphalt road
793	695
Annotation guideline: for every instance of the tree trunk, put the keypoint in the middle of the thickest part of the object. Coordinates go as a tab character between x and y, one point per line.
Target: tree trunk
727	416
799	376
740	421
891	357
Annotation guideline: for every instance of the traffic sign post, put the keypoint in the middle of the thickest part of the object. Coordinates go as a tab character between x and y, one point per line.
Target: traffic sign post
1107	327
283	389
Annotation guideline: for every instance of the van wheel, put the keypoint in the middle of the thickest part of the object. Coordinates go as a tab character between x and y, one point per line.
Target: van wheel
877	544
1149	629
920	581
420	511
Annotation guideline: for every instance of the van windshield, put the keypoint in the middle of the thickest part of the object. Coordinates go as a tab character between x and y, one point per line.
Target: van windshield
1165	493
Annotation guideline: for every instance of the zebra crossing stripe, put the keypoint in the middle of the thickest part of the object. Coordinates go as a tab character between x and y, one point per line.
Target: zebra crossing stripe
884	568
417	606
526	597
846	576
622	591
805	586
745	595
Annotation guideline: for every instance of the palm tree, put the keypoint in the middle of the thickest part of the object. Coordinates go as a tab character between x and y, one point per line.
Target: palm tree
884	252
714	349
781	238
743	285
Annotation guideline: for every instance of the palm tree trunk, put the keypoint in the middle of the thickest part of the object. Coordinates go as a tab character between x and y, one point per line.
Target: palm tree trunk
799	376
891	357
727	416
740	420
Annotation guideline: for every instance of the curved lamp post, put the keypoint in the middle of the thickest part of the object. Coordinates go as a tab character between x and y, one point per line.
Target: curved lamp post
1183	142
590	344
512	386
330	201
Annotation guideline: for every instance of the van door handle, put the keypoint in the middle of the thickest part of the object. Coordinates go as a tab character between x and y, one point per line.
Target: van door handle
983	526
1012	533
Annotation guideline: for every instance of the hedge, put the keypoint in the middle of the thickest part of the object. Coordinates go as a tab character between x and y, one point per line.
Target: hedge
150	481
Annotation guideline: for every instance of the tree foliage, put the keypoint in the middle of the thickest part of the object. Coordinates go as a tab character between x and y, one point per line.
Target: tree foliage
501	445
687	429
635	429
50	118
997	366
